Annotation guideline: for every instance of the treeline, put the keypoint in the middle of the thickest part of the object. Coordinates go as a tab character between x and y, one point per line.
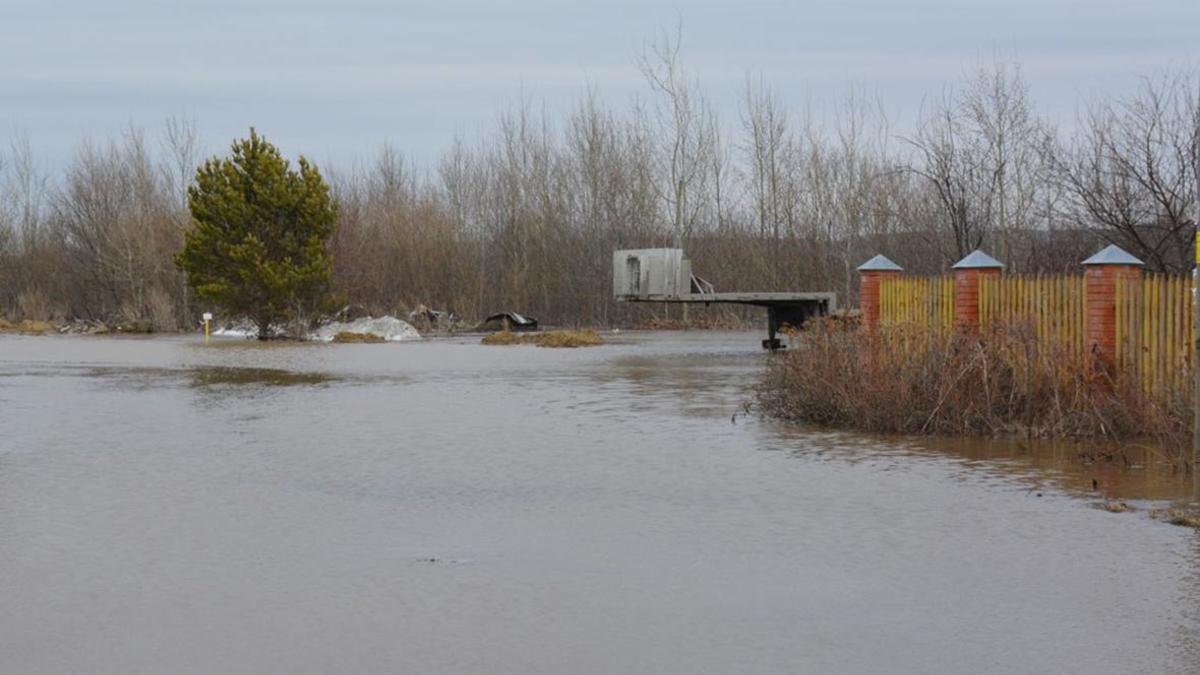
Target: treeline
766	198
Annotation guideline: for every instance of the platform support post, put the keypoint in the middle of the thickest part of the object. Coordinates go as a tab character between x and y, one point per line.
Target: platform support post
772	343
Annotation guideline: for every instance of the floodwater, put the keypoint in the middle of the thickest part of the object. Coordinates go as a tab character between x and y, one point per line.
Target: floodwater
445	507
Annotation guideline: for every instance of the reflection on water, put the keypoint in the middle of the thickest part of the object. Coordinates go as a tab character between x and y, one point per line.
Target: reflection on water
1081	468
171	506
1084	469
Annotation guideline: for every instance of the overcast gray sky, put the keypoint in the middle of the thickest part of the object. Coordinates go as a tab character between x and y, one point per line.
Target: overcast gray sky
336	79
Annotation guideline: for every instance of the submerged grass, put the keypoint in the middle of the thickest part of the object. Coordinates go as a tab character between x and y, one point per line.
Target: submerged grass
911	379
352	337
554	338
256	376
1183	517
1184	520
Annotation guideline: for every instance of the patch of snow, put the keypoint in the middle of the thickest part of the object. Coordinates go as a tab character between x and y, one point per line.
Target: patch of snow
387	327
241	329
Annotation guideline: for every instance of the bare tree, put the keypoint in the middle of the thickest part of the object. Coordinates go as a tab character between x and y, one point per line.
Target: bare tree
862	138
682	129
27	188
765	151
1130	170
997	112
30	288
954	164
180	146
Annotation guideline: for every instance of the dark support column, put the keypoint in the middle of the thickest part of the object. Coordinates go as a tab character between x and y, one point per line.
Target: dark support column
790	316
772	342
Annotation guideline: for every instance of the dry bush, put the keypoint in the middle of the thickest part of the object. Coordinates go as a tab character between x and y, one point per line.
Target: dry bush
162	310
35	305
910	379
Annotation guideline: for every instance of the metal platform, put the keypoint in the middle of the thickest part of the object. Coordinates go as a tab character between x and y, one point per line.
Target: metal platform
664	275
783	309
759	299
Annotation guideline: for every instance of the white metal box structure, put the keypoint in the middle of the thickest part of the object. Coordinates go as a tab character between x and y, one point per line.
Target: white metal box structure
651	274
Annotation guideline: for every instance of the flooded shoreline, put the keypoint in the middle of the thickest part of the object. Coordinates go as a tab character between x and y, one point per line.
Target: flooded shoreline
1083	468
446	506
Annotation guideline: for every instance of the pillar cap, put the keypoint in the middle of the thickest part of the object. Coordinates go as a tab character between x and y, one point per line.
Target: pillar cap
880	263
978	260
1114	255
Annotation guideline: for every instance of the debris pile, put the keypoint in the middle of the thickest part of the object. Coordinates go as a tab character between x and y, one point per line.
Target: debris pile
508	322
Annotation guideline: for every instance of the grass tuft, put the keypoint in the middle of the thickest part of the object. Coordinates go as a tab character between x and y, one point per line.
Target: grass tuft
502	338
1185	520
351	337
1183	517
27	326
273	377
554	338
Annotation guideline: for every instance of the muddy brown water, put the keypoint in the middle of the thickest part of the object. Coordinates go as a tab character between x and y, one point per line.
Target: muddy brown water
167	506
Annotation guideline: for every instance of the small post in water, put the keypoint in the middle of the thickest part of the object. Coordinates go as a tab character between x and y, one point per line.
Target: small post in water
207	317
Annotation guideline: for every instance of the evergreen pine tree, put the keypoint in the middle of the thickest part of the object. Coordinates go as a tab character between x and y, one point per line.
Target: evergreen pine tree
257	248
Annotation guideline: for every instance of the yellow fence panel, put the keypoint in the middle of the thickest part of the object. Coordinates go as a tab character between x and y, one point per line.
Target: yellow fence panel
922	301
1053	307
1156	328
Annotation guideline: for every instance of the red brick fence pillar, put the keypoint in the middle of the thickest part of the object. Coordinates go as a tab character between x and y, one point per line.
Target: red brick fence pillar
967	273
873	272
1100	288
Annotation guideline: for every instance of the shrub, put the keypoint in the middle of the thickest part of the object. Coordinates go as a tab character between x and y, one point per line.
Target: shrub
910	379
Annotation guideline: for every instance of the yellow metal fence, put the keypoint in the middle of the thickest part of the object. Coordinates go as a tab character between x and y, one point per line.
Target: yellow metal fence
1155	329
922	301
1054	306
1154	316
